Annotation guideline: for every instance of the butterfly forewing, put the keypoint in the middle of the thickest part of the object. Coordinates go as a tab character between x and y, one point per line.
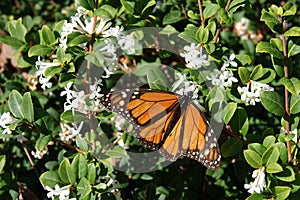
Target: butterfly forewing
165	121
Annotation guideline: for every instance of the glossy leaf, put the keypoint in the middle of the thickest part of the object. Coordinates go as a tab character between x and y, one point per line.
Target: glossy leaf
210	10
258	148
295	104
265	47
229	111
2	162
257	73
282	192
269	141
66	172
274	168
293	32
107	11
42	142
231	147
91	176
253	158
84	188
15	104
79	165
239	121
27	107
270	156
273	102
51	178
287	175
244	74
293	85
39	50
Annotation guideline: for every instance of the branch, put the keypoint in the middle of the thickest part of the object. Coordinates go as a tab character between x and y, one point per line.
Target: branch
221	23
201	13
286	93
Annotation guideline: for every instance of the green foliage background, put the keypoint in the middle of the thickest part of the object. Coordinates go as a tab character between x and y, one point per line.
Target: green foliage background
257	140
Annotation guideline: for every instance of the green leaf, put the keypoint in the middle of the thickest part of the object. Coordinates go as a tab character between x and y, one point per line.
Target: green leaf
172	17
256	196
265	47
68	116
60	54
107	11
295	104
283	151
224	16
273	102
128	5
91	173
244	74
80	39
269	141
270	156
66	172
14	103
11	41
244	59
269	75
282	192
52	71
274	168
202	34
96	58
252	158
50	178
42	142
257	72
231	147
2	162
293	32
294	48
81	143
278	66
258	148
84	188
189	34
47	35
116	152
229	111
287	175
210	10
27	107
148	5
156	78
269	17
290	9
39	50
293	85
17	29
79	165
239	122
87	4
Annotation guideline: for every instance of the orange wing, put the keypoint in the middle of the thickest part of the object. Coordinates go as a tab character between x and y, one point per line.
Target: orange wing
192	137
163	120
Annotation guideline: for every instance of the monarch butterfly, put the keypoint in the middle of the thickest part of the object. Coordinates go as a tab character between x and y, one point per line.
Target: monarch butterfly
167	122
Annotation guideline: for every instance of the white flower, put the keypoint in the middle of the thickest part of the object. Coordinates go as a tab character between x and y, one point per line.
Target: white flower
63	192
253	95
114	31
194	57
127	43
5	120
42	66
68	91
180	79
45	82
103	25
39	154
230	61
259	182
69	133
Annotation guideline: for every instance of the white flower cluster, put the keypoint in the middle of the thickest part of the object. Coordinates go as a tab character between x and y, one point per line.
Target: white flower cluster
62	193
183	87
39	154
224	77
259	182
69	133
194	56
251	92
41	68
5	120
76	100
82	23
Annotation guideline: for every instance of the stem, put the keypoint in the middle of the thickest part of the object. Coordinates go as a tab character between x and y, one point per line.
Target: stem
69	146
221	23
29	158
201	13
286	93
